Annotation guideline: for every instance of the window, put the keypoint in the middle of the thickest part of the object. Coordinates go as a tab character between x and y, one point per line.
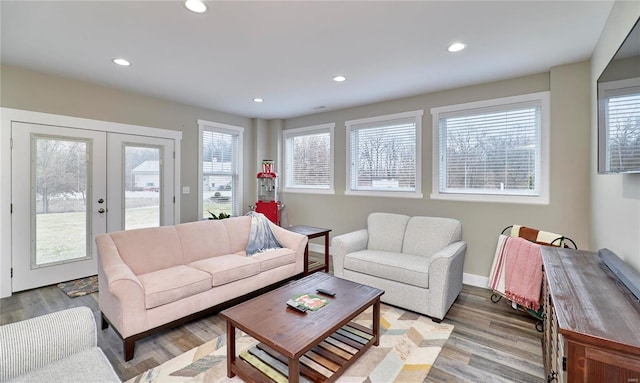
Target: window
220	166
494	150
620	116
308	154
384	155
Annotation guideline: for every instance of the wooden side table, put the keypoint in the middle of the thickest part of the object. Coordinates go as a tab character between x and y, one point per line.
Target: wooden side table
313	232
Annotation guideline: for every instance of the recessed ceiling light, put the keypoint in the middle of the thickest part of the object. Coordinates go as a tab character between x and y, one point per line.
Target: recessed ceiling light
196	6
121	61
258	99
456	47
339	78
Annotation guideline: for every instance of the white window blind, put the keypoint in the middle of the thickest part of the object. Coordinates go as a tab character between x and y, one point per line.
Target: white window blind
384	153
308	158
221	154
622	119
492	150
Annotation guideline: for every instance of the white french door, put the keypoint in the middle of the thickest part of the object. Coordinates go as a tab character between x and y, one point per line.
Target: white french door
69	185
58	203
140	184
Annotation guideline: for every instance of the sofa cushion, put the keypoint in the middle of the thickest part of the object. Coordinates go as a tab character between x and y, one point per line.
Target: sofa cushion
228	268
90	365
405	268
273	258
203	239
172	284
386	231
239	227
149	249
427	235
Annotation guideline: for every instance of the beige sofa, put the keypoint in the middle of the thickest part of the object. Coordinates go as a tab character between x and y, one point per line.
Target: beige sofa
417	261
156	278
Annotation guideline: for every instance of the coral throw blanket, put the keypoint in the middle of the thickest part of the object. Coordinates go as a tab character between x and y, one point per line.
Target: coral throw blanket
517	271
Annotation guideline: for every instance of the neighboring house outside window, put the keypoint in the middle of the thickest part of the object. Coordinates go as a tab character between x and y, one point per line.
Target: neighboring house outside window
492	151
146	176
308	164
384	155
220	167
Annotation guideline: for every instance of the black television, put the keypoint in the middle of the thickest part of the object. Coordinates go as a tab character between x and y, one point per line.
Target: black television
619	109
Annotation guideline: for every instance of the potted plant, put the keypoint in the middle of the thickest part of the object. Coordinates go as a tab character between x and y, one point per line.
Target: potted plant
222	215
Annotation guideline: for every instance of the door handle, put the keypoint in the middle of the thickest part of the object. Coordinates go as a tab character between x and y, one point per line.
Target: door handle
101	211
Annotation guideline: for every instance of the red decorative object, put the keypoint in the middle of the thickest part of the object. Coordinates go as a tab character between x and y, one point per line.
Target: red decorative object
268	203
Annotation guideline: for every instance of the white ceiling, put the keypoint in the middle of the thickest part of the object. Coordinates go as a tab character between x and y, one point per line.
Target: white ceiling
287	52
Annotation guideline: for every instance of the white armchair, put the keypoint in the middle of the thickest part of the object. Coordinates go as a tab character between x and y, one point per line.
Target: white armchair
417	261
56	347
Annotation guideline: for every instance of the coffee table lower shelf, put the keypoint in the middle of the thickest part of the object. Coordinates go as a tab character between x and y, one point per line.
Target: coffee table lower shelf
323	363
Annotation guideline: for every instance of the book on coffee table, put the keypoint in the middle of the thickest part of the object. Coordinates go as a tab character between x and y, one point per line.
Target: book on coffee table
311	301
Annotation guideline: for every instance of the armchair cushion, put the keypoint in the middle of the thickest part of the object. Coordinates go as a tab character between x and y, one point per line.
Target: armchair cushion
427	235
56	347
386	231
79	367
405	268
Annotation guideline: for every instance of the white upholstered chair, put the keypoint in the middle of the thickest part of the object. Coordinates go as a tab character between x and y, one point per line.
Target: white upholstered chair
417	261
56	347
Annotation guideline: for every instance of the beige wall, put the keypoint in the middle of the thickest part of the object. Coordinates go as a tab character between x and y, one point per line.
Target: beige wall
28	90
567	213
615	199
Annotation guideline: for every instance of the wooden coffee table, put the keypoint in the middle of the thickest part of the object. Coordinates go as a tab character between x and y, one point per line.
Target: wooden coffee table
316	346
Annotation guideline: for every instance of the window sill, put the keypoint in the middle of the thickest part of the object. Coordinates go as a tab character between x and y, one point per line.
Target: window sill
362	193
309	191
515	199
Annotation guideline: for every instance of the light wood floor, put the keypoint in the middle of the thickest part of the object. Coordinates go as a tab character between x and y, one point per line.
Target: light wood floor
490	342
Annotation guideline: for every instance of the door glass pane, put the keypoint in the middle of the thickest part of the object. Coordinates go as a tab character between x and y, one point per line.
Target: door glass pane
60	196
142	186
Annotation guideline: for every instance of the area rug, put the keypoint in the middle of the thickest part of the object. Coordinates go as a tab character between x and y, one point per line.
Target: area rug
80	287
409	345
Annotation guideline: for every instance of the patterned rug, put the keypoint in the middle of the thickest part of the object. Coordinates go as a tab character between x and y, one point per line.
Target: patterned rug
80	287
409	345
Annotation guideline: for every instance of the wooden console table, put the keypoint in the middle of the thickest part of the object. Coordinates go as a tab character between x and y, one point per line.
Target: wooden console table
591	321
313	232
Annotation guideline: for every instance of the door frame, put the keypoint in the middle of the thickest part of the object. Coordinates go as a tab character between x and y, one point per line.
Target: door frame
8	116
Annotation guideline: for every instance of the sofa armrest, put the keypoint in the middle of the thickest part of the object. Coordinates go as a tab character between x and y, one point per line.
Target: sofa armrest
37	342
291	240
121	295
344	244
445	277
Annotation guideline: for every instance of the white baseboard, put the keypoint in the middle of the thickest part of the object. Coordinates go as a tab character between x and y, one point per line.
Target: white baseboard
475	280
316	248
